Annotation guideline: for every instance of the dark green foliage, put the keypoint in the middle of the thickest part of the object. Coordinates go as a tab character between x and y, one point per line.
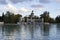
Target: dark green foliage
57	19
3	16
51	20
0	19
11	18
46	17
17	18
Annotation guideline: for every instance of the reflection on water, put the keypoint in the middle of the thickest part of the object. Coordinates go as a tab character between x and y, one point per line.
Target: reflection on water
30	32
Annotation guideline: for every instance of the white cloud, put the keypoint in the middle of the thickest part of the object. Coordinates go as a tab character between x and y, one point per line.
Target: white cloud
38	7
17	1
10	8
13	9
44	1
57	0
13	1
22	10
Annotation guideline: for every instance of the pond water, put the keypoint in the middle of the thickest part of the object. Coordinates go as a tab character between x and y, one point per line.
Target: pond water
30	32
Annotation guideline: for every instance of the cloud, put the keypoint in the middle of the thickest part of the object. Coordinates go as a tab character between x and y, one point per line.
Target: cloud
10	8
17	1
37	6
3	2
44	1
13	9
57	0
22	10
12	1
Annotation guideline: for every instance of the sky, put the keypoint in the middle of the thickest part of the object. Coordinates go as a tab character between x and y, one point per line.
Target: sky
24	7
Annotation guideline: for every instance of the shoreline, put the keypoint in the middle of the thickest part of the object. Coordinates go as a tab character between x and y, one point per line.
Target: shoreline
25	23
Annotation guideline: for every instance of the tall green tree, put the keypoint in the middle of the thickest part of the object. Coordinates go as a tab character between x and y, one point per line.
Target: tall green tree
9	17
51	20
45	16
57	19
3	16
17	18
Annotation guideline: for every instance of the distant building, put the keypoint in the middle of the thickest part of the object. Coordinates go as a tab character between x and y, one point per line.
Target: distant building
32	18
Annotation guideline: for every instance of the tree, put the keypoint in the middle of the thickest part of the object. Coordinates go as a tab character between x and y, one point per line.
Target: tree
51	20
45	16
9	17
17	18
3	16
57	19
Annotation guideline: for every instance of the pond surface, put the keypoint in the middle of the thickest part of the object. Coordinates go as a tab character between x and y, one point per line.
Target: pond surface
30	32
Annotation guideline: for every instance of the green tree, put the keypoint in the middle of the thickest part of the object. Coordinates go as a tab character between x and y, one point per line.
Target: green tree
51	20
57	19
2	17
9	17
45	16
17	18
